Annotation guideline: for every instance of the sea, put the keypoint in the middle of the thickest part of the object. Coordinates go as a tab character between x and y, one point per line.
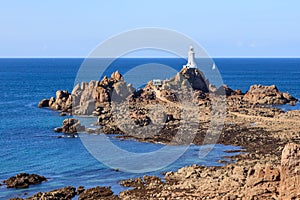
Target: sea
29	144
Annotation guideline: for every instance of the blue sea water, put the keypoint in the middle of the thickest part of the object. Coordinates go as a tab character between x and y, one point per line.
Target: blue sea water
28	143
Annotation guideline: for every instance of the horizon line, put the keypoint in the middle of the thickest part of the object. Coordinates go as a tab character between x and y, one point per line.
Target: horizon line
139	57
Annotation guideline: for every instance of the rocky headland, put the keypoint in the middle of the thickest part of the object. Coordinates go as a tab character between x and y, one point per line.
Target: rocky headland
269	169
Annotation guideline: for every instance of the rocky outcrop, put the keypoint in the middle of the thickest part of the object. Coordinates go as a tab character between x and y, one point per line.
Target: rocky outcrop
66	193
88	97
268	95
154	112
23	180
43	103
147	187
234	181
70	125
187	78
225	90
62	101
290	172
101	193
195	78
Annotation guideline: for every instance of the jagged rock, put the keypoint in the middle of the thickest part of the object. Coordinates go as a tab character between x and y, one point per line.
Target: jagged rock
104	81
23	180
101	95
136	182
169	95
120	92
97	193
63	101
66	193
262	182
43	103
84	98
116	76
70	125
196	79
290	172
259	94
80	190
225	90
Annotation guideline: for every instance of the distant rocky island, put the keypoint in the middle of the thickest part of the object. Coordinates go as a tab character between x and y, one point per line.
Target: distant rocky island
268	168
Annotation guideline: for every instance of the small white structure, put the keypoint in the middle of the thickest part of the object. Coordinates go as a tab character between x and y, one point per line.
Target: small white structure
157	82
214	66
191	59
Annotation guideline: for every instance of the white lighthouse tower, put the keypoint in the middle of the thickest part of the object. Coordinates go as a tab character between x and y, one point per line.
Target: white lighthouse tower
191	59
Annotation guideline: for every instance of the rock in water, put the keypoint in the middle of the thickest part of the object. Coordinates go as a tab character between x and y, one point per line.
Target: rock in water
63	101
71	125
44	103
97	193
290	172
259	94
23	180
66	193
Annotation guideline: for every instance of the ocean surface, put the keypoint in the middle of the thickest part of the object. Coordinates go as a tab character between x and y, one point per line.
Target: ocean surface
29	144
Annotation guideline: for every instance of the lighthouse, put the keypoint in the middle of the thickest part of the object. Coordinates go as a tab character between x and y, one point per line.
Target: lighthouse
191	59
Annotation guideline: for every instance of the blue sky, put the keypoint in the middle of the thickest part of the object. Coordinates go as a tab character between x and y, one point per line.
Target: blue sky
231	28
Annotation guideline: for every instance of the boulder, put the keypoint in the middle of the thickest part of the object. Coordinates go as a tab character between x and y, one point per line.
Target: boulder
63	101
101	95
290	172
70	125
97	193
225	90
66	193
43	103
116	76
267	95
23	180
121	91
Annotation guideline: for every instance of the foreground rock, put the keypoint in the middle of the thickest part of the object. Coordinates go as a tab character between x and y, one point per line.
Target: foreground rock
234	181
23	180
101	193
66	193
290	172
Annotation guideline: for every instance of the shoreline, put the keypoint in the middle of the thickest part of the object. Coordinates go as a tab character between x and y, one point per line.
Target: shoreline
261	131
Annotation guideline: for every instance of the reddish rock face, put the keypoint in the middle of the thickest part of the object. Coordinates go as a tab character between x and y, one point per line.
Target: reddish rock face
195	78
290	172
259	94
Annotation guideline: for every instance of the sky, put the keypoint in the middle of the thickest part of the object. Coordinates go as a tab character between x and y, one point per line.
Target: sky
231	28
